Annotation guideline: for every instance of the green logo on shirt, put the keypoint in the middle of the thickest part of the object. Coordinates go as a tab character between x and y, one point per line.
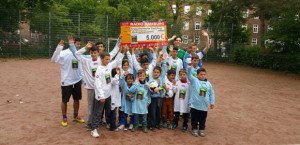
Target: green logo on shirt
74	64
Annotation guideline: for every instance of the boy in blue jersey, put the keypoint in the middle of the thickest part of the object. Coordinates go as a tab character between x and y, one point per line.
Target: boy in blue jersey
201	97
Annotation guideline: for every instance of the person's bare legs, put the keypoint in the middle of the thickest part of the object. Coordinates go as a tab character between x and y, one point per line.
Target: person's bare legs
76	107
64	108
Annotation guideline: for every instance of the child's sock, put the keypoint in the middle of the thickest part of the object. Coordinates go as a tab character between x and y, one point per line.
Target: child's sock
64	116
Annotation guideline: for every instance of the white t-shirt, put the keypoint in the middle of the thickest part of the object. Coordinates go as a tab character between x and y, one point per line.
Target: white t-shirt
175	64
115	92
103	85
182	98
89	68
70	68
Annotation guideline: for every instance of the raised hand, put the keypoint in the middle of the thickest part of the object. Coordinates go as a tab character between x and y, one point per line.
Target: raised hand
204	33
171	48
71	39
61	43
89	45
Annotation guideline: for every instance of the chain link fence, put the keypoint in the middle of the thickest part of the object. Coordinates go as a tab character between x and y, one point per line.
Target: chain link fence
38	37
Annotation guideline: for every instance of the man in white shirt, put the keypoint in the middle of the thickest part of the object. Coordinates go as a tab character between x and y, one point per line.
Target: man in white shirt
71	76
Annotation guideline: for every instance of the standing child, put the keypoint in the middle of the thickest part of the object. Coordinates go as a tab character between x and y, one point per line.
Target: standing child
168	101
141	100
181	101
103	88
89	66
202	95
126	81
115	98
158	93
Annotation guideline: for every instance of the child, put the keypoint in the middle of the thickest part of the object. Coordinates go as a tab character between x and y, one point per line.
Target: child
181	101
89	66
201	96
141	100
157	94
173	62
168	101
126	81
144	63
115	98
192	48
71	76
103	88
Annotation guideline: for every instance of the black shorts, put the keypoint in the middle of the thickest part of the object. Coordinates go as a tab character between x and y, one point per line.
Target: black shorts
74	90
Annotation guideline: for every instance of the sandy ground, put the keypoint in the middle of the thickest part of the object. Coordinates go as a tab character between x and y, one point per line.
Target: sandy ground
253	106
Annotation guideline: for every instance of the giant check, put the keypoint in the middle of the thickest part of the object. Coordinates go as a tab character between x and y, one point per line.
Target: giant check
144	33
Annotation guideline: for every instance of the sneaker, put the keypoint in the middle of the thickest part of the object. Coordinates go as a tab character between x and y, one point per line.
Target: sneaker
94	133
125	129
175	126
164	124
202	133
121	127
184	129
157	127
170	126
134	128
145	130
195	133
78	119
152	129
107	126
64	122
130	126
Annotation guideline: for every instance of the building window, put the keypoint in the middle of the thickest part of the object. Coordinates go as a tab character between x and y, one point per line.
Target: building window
198	11
244	27
245	14
255	28
187	9
197	39
185	39
209	12
254	41
186	25
174	9
197	25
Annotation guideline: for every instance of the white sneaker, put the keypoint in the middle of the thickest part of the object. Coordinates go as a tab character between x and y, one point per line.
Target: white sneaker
130	126
107	126
202	133
94	133
121	127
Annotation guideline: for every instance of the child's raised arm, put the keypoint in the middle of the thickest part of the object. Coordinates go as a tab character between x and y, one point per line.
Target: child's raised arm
55	57
190	76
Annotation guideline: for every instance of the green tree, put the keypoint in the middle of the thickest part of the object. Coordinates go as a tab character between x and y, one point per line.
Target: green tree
225	22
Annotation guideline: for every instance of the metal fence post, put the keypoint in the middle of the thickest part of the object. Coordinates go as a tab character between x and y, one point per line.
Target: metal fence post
49	34
79	25
20	47
106	33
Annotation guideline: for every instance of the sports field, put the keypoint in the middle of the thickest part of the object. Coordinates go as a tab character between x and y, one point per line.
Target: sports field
253	106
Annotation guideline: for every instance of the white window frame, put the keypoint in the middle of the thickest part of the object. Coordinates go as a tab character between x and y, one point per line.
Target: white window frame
186	25
185	39
199	11
209	11
245	14
256	17
187	9
254	41
197	39
197	24
255	28
244	26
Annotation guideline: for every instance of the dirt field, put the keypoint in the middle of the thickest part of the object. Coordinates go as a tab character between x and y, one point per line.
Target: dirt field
253	106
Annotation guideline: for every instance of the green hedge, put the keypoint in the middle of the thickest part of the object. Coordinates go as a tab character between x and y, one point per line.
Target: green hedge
252	56
276	61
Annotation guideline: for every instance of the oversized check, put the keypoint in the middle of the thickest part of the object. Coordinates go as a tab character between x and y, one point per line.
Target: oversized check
144	33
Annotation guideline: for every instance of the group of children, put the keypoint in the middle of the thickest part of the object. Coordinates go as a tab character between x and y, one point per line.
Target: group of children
152	89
